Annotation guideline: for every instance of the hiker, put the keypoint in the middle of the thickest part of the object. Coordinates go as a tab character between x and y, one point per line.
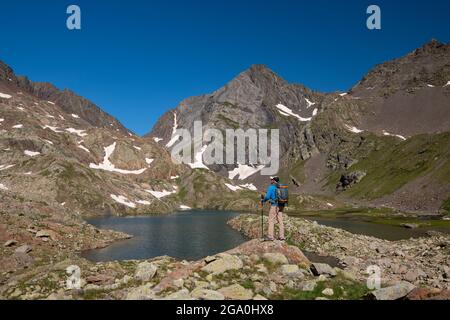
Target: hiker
276	209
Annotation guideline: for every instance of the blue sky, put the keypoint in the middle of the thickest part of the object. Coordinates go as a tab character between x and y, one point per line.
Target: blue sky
137	59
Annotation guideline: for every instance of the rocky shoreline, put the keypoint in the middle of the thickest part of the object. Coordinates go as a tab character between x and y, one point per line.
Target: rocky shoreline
412	269
422	261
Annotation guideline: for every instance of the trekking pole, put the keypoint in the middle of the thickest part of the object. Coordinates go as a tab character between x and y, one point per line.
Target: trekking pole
262	217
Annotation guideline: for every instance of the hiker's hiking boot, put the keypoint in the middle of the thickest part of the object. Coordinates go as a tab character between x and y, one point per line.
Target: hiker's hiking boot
267	239
281	239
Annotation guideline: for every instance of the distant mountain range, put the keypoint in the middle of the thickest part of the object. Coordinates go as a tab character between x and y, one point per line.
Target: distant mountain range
383	143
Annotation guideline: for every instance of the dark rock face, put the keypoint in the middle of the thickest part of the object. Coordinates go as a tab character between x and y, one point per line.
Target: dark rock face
349	179
249	101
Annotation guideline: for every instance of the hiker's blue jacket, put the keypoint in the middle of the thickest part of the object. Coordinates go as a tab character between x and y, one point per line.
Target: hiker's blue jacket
271	195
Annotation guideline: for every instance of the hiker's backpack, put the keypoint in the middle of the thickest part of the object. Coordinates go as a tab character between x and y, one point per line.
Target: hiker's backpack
282	194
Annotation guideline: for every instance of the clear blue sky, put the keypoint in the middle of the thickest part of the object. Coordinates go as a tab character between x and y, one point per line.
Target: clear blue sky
137	59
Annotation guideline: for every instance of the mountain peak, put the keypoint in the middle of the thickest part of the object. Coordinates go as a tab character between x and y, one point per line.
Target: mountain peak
431	46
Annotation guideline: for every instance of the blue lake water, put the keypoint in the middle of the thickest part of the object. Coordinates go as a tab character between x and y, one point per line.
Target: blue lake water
189	235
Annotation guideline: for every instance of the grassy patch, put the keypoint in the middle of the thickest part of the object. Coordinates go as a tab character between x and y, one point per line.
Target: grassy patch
397	163
343	288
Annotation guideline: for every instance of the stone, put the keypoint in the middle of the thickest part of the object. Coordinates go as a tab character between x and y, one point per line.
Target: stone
259	298
183	294
328	292
178	283
201	284
411	276
309	285
291	270
99	278
223	263
10	243
393	292
145	271
47	234
428	294
210	259
322	269
261	268
141	293
205	294
276	258
236	292
24	249
410	225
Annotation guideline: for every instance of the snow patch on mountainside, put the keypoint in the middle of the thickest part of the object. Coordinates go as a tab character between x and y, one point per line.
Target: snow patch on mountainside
353	129
285	111
248	186
18	126
149	161
6	166
5	96
80	133
106	165
448	84
183	207
160	194
3	187
233	188
123	200
144	202
310	104
75	116
156	139
385	133
84	148
54	129
137	148
244	171
31	153
175	136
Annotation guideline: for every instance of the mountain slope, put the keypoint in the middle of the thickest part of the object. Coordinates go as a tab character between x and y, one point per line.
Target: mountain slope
70	102
323	136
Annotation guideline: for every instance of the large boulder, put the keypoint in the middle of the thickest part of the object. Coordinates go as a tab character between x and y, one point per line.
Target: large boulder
183	294
205	294
396	292
144	292
291	271
349	179
23	249
428	294
224	262
47	234
322	269
145	271
257	247
236	292
276	258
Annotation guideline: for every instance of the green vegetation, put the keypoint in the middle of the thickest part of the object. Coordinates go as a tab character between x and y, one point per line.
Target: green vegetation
231	123
396	163
343	288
